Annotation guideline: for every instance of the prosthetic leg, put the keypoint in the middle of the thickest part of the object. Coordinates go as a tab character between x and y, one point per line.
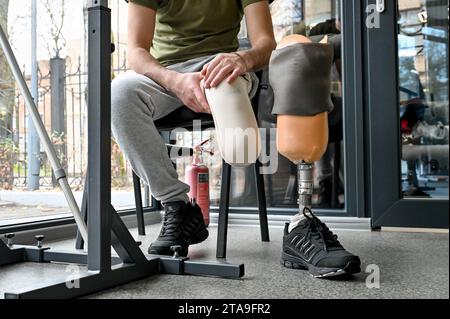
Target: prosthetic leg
302	104
300	78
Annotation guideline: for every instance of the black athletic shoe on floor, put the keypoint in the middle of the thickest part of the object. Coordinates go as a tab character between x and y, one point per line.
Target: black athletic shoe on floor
183	225
311	245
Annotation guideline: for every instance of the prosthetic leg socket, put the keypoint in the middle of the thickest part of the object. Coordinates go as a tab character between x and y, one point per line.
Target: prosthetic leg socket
237	130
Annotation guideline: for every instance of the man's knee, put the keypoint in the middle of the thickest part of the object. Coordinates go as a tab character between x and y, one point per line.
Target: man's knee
126	94
123	87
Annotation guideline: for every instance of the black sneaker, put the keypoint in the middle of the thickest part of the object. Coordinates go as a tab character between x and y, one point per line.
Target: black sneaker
183	225
311	245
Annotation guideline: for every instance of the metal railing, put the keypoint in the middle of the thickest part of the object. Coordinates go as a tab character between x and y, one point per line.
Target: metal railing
71	144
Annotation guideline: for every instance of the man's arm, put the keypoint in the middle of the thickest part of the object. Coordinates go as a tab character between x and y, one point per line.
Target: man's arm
231	65
141	29
260	34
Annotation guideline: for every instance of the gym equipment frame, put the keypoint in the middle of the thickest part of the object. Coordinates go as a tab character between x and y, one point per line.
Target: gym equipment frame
105	228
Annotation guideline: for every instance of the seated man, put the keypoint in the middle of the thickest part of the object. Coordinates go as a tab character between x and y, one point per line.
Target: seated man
183	53
179	50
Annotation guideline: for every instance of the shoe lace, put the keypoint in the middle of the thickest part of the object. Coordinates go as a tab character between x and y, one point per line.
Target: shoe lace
320	231
171	221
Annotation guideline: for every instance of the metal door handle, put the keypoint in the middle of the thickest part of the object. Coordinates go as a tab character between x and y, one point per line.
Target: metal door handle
381	6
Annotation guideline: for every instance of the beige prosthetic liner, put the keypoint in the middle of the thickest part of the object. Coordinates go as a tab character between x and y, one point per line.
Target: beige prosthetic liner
302	103
237	132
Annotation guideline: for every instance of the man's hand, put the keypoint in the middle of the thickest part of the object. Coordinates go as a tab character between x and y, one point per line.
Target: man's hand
186	86
224	66
230	66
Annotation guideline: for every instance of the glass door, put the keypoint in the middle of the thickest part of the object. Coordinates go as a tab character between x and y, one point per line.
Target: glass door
407	120
338	177
314	19
423	101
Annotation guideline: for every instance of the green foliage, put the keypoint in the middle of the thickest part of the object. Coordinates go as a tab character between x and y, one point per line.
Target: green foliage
8	152
119	177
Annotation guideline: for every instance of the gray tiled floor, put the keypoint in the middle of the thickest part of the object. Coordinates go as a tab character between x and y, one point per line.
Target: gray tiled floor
412	265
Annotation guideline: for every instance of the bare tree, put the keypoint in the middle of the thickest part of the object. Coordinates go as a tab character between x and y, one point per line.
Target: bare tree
19	22
55	10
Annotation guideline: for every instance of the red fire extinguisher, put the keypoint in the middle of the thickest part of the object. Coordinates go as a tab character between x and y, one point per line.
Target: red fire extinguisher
197	177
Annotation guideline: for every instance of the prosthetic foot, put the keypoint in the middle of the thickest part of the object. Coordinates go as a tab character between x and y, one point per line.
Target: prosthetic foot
310	244
300	78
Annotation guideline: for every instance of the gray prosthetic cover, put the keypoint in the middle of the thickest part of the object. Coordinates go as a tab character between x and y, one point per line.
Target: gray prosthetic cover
300	77
334	40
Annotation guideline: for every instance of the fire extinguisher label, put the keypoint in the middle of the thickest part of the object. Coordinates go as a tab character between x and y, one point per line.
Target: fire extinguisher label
203	195
203	178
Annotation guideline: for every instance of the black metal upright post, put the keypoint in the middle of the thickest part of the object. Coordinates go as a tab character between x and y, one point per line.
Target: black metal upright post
138	203
222	228
262	205
99	149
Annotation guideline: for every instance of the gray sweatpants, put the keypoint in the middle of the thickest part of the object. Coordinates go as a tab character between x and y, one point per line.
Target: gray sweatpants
136	102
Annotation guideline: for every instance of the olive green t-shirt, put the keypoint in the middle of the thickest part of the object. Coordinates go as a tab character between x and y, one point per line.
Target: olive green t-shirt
187	29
